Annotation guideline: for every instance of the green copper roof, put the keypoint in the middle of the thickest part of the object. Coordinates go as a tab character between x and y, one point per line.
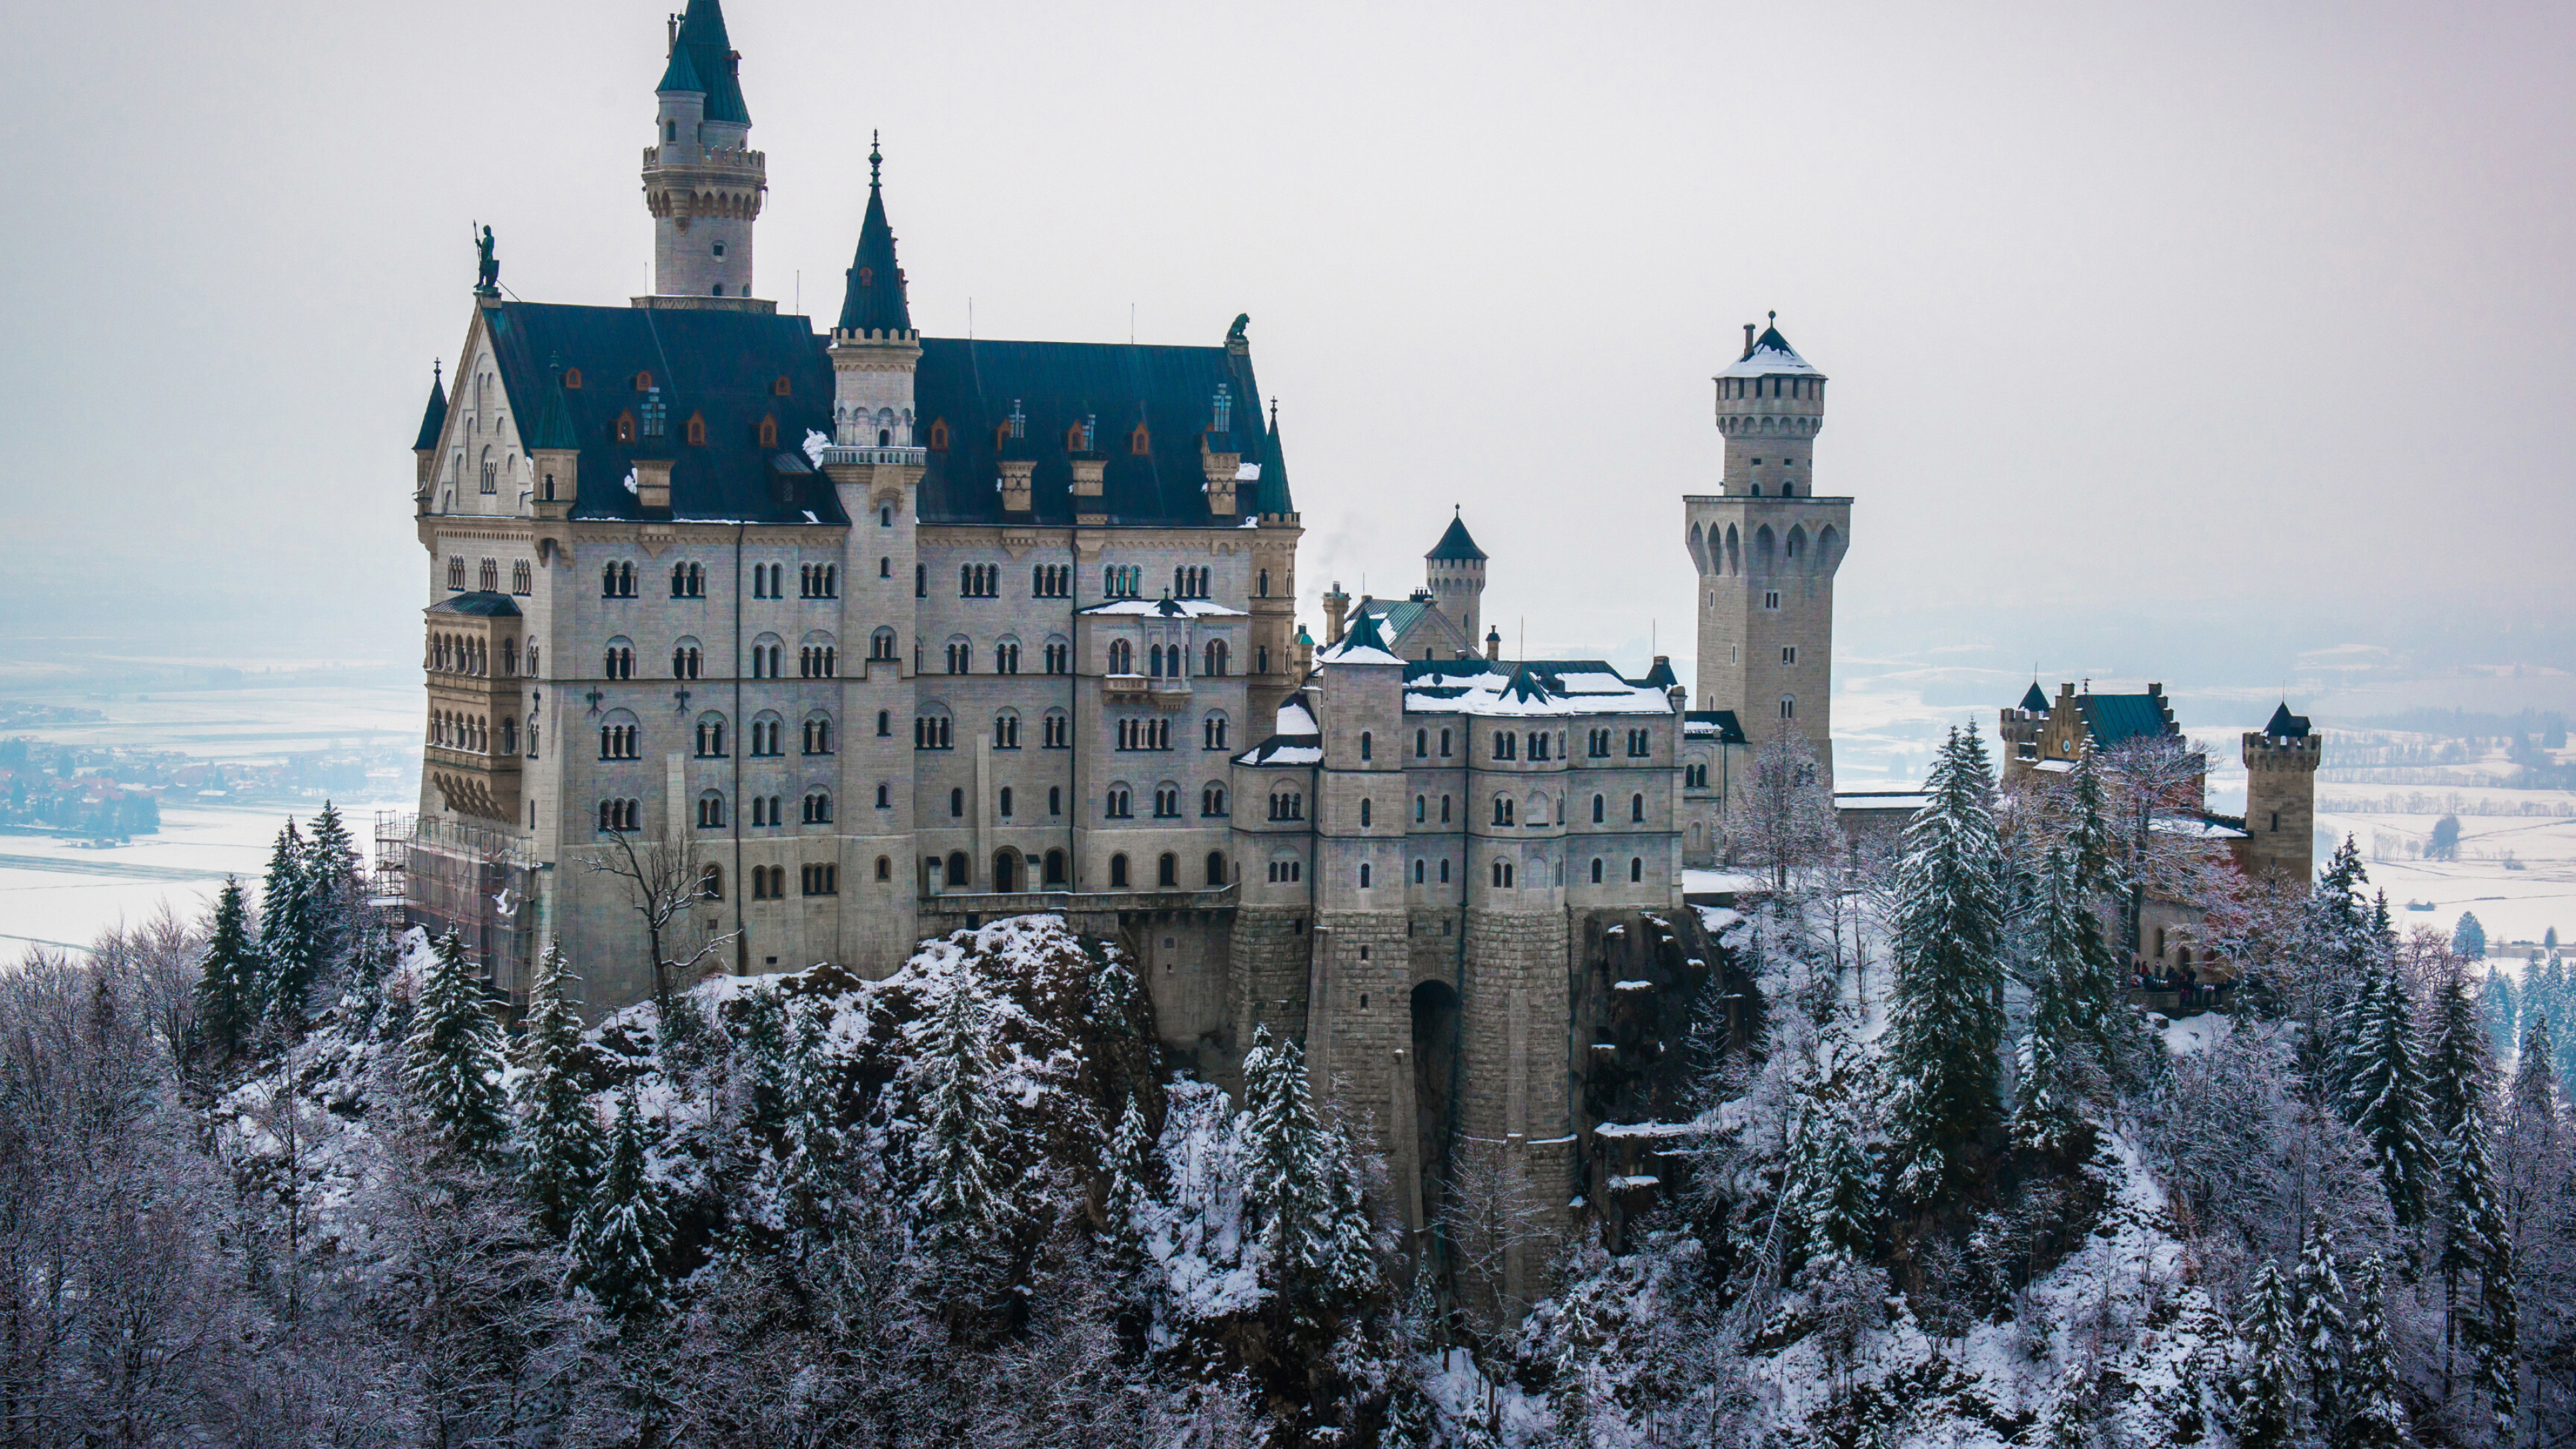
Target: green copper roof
702	59
2114	719
874	301
1363	634
434	420
554	430
2285	725
1455	545
2033	700
1271	494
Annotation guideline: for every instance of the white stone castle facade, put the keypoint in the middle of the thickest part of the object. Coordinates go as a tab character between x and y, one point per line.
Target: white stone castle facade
884	634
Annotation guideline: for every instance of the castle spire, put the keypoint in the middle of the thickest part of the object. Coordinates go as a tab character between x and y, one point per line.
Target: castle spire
703	184
704	61
874	302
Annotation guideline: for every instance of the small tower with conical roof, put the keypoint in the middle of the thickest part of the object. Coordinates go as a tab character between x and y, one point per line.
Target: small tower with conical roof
874	347
703	183
1457	570
2281	797
1766	547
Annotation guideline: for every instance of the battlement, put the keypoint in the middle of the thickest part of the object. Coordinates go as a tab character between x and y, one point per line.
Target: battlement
714	158
2268	752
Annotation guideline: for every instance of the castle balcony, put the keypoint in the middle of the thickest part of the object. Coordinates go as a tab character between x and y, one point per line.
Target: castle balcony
1168	693
734	158
472	782
1124	686
836	456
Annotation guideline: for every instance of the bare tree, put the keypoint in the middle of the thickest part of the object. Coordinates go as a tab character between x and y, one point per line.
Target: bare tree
1491	1225
2152	778
665	881
1786	827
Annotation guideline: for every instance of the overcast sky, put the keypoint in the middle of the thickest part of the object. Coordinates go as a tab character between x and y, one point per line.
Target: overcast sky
2154	329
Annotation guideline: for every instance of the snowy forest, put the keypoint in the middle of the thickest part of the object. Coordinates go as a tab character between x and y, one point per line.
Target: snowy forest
289	1175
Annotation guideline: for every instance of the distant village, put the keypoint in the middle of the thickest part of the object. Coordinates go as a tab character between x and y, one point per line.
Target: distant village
118	792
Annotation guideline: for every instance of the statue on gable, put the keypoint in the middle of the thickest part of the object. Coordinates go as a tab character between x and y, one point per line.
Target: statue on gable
487	272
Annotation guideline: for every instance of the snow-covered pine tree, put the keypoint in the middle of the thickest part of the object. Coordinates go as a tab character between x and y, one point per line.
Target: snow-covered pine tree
2477	1249
802	1181
1123	1201
2267	1389
2089	837
2458	1072
1946	1017
559	1138
2342	958
286	931
452	1062
1300	1188
2324	1333
770	1073
2071	1008
334	892
2384	1092
618	1244
1833	1203
228	984
2496	1009
961	1201
2372	1417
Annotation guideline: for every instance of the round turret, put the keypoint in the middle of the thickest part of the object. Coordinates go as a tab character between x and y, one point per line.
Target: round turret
1770	406
1456	570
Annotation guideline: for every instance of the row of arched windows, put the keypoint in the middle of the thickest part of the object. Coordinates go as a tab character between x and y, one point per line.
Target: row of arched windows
472	734
467	654
1726	554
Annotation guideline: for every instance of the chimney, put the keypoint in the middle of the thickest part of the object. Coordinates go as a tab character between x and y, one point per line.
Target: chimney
1493	644
653	483
1748	341
1335	602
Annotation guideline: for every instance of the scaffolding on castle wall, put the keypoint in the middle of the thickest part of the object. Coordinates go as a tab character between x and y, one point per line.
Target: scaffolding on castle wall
454	875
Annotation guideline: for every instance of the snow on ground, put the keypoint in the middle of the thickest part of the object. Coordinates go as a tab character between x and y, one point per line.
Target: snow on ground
2119	1300
2196	1033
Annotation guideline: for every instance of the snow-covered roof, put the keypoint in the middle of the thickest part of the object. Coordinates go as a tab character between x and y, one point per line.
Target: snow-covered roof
1907	800
1353	651
1772	356
1297	739
1536	687
1296	719
1166	608
2198	827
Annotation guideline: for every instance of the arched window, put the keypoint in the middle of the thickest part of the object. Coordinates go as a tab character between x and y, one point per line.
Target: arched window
1212	732
1364	875
1596	870
1788	707
711	883
1005	809
1055	868
1364	815
1006	878
818	734
885	796
1636	868
885	868
711	810
1417	870
1122	657
1264	590
956	804
711	736
1599	806
959	872
818	807
885	723
1118	872
1364	744
1637	807
881	645
1214	663
1167	871
1212	800
1215	868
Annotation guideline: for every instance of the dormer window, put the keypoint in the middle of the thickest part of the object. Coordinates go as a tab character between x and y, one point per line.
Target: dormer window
939	435
1140	442
657	414
697	429
643	382
1073	438
572	379
769	432
867	276
780	387
626	427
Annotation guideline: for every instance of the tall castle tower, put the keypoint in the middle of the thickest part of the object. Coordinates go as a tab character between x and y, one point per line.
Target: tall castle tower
1457	569
702	182
2281	797
1766	548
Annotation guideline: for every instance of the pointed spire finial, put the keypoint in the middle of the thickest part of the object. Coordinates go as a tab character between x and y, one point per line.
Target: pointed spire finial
1274	412
875	159
1775	317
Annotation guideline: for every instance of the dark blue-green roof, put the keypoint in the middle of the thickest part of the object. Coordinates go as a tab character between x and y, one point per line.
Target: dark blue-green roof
554	429
1455	544
971	388
873	300
2114	719
724	367
433	421
478	604
1271	494
702	59
2285	725
2033	700
1722	720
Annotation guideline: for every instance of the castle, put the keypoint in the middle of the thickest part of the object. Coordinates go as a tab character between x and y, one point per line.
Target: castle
2275	839
749	648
